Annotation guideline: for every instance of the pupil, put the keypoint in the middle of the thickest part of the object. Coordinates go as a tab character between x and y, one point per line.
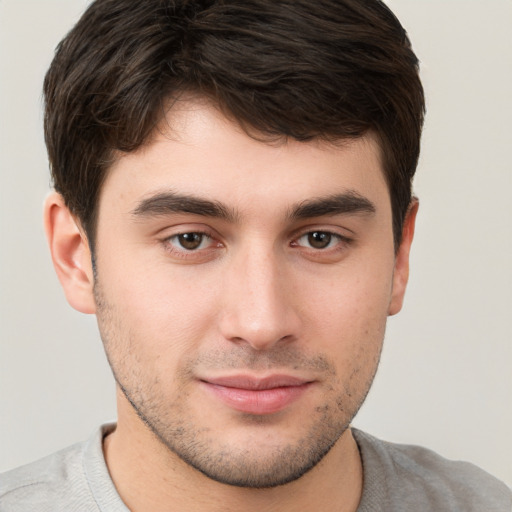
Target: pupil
190	240
319	239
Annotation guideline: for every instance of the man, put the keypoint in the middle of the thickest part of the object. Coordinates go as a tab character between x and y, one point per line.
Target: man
233	202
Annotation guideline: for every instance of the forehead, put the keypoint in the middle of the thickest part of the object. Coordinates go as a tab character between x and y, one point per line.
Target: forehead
197	150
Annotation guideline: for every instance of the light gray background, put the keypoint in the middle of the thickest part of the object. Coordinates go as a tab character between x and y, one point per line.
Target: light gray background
445	379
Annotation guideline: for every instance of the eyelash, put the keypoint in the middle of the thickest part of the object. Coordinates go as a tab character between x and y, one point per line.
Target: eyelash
185	253
339	239
341	243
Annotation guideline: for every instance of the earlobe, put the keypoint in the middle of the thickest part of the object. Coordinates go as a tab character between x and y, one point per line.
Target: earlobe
70	254
401	270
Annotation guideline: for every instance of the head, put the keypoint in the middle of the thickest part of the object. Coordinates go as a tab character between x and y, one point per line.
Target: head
240	173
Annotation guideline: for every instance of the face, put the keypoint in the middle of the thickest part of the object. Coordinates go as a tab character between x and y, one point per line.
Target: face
242	290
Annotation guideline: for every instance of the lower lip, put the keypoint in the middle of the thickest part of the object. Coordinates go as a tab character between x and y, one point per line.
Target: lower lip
254	401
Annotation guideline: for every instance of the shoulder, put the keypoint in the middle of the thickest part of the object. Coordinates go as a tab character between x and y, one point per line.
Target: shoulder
411	477
53	479
75	478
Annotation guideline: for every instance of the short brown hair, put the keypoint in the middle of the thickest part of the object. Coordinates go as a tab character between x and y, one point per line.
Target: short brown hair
330	69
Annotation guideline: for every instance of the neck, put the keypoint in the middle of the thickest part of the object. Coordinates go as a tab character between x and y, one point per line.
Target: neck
149	477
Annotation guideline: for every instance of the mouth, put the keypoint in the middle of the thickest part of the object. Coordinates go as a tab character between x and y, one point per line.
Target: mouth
253	395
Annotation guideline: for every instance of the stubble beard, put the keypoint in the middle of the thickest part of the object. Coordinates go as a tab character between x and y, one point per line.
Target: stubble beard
199	446
231	465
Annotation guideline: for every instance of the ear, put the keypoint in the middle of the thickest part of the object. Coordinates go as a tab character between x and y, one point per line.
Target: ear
70	254
401	271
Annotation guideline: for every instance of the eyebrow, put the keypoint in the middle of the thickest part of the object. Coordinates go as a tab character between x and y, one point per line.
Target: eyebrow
166	203
169	202
347	203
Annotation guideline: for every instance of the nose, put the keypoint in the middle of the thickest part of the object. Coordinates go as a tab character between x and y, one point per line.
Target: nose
258	301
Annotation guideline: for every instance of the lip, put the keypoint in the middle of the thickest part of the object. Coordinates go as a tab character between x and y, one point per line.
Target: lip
254	395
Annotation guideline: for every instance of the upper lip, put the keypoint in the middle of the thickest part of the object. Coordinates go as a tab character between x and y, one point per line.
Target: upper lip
256	383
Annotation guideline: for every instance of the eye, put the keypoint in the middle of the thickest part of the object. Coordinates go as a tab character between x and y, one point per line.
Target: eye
319	240
190	241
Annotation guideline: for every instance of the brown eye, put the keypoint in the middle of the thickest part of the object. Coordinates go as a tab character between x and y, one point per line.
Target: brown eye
319	239
190	241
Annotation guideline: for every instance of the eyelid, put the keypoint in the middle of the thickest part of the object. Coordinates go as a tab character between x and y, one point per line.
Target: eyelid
335	236
337	231
193	255
175	238
182	228
331	254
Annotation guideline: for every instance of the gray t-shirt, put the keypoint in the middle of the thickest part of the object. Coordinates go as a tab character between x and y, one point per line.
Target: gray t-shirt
396	478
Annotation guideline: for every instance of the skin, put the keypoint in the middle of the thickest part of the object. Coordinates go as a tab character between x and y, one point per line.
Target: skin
254	293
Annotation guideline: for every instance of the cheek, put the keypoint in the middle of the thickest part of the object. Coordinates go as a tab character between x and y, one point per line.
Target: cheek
159	312
355	300
347	321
